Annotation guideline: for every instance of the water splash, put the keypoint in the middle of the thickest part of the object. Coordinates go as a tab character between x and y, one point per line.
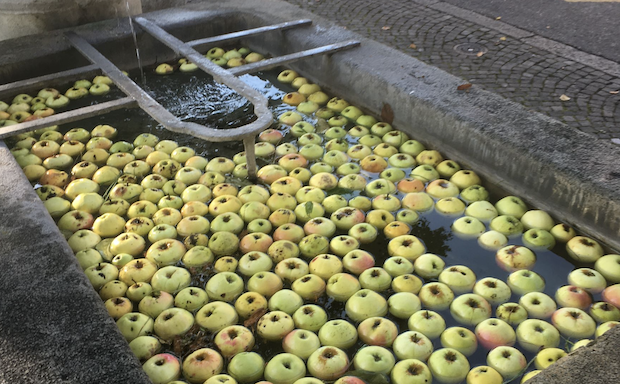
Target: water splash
135	43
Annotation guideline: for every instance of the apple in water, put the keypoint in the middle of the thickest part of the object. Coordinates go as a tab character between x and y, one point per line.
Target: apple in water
134	324
374	359
508	361
495	291
461	339
587	279
609	267
234	339
216	316
436	296
410	371
534	334
301	342
162	368
284	368
412	345
602	312
470	309
538	305
548	356
364	304
145	347
172	322
338	333
514	257
310	317
573	322
377	331
525	281
341	286
584	249
246	367
428	266
427	322
572	296
403	304
483	374
448	365
275	325
492	333
202	364
459	278
328	363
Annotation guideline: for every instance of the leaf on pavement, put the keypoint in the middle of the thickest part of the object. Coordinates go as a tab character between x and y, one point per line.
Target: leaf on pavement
387	115
479	54
564	98
464	87
614	92
386	27
503	38
498	18
413	46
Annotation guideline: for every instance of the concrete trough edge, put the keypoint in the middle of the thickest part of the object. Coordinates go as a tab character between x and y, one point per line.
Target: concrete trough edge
561	166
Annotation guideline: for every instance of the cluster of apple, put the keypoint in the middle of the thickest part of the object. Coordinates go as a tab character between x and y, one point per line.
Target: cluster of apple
229	59
148	220
25	107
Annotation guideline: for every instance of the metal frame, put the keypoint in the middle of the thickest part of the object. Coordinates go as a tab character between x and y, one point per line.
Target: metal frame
136	96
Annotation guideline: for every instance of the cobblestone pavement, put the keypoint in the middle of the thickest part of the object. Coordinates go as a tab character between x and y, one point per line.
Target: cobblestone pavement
508	66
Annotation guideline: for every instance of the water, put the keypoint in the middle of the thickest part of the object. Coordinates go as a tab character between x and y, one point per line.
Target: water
197	98
135	43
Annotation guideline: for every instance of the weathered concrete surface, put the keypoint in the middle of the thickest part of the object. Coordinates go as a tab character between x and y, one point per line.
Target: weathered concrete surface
53	326
560	169
28	17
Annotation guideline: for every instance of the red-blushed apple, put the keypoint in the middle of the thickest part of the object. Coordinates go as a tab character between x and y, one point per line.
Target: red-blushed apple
202	364
301	343
377	331
234	339
508	361
611	295
547	357
573	322
492	333
162	368
534	334
429	323
357	261
328	363
572	296
448	365
459	338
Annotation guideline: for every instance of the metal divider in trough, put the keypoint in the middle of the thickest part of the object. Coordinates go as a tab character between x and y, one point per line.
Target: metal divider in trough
137	96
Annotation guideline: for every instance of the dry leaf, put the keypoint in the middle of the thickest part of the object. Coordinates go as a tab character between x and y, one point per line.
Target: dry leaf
464	87
564	98
503	38
413	46
614	92
479	53
498	18
385	28
387	115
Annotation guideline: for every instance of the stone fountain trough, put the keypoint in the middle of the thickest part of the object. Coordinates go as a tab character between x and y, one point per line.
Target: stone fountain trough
53	326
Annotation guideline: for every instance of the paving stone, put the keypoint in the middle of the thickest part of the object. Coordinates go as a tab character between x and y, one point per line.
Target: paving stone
512	68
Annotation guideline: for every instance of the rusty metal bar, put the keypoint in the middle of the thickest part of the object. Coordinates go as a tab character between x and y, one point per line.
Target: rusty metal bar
50	80
67	117
249	32
280	60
